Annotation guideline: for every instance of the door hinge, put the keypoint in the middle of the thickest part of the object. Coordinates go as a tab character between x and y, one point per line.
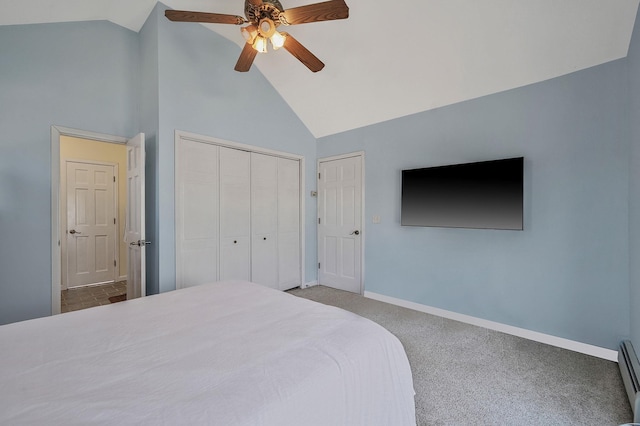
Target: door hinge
318	176
318	221
114	178
318	265
114	220
114	263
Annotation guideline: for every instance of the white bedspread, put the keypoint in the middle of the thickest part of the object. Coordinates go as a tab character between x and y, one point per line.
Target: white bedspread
227	353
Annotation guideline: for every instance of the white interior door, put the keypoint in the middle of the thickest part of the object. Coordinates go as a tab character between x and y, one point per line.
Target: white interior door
91	224
235	214
264	219
340	223
135	226
289	251
196	213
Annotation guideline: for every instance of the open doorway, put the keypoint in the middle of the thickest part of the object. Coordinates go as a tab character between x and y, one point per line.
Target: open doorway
92	222
97	218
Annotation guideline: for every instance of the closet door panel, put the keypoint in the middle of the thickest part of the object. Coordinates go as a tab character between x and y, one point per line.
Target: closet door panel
264	265
235	214
289	250
264	219
289	263
196	214
235	258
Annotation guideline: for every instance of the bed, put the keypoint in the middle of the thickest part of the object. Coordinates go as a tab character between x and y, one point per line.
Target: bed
225	353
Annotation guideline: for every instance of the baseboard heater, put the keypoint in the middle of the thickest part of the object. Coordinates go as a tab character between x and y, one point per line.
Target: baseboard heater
630	371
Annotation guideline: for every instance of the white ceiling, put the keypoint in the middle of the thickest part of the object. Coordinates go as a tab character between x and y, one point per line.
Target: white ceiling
396	58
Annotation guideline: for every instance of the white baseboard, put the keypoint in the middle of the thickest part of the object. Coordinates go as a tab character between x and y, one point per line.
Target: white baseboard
559	342
122	278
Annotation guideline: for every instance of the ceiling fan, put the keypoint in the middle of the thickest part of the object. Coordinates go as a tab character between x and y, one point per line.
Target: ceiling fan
263	19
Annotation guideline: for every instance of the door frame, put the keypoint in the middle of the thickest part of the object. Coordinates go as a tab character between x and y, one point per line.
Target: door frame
363	232
63	205
56	255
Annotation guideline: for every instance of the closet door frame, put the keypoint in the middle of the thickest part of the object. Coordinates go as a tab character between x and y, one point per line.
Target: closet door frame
181	135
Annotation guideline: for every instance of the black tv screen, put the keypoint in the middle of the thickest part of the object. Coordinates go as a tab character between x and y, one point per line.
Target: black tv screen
485	195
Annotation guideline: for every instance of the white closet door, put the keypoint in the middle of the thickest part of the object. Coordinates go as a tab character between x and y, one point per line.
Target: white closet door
289	262
264	219
235	214
197	214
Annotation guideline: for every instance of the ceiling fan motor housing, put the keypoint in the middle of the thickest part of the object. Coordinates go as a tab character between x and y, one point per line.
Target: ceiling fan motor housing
269	9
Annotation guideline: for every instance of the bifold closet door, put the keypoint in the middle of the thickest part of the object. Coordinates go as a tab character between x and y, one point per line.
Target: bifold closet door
289	250
235	214
264	219
197	214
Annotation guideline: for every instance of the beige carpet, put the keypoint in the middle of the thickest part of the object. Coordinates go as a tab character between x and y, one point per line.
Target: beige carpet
467	375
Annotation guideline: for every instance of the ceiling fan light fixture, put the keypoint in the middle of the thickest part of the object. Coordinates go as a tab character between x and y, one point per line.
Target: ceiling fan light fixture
250	32
266	27
260	44
277	40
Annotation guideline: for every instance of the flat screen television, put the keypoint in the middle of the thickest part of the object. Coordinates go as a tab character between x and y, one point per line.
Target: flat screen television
484	195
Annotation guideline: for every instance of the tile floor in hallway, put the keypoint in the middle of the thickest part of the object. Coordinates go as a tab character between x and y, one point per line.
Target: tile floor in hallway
87	297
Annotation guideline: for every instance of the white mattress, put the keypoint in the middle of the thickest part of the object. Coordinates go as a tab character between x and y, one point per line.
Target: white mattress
227	353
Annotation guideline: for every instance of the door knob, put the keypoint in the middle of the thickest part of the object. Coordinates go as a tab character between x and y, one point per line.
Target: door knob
140	243
355	232
73	231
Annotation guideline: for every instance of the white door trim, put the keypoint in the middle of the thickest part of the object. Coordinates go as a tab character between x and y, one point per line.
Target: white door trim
182	135
63	206
56	259
360	154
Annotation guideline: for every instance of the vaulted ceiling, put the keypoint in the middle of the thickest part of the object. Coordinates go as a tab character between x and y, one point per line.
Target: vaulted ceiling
396	58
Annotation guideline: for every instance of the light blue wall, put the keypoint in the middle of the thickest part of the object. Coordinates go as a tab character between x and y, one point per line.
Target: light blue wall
78	75
634	190
200	92
567	273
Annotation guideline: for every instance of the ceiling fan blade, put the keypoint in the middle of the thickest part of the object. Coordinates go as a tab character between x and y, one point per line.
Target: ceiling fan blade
257	3
246	58
294	47
326	11
210	18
